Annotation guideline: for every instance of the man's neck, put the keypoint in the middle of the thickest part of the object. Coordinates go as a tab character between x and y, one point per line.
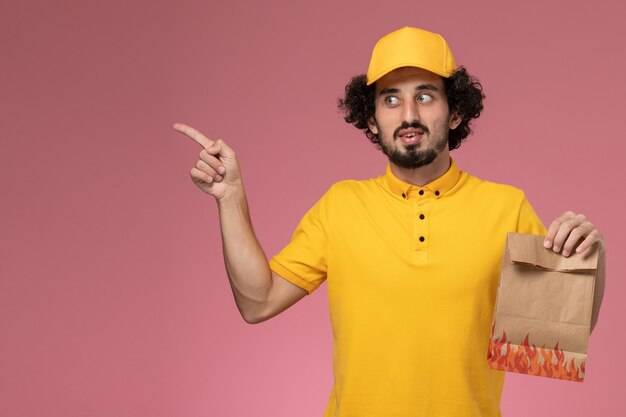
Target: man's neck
423	175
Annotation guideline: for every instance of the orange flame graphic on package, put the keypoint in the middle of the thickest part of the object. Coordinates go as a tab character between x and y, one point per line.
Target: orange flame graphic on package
526	358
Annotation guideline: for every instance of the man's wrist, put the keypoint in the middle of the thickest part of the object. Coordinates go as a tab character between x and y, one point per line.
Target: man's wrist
234	196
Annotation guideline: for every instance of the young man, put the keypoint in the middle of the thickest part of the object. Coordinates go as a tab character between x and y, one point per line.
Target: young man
411	258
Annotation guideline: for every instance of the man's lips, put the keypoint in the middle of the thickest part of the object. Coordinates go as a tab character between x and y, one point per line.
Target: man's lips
410	132
410	135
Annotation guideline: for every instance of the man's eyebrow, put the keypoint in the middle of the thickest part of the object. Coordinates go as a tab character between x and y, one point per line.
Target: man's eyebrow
388	91
430	87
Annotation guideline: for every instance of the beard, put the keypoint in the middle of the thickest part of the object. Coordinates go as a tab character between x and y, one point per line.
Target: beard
412	157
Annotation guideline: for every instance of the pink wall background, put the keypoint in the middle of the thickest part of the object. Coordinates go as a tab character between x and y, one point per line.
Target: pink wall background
113	295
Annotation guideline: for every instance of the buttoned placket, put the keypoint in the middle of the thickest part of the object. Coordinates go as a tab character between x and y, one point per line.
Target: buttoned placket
422	200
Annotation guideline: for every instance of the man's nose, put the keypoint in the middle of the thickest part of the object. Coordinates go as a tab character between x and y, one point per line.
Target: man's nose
410	112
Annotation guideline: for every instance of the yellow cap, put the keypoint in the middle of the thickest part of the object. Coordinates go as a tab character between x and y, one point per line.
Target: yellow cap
411	47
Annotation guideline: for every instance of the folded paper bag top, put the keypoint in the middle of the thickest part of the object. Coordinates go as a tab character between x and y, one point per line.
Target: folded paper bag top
543	308
529	250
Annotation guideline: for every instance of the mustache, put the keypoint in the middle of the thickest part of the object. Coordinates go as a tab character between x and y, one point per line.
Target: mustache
414	124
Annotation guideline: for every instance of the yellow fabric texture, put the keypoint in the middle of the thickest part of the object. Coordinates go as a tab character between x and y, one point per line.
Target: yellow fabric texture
410	317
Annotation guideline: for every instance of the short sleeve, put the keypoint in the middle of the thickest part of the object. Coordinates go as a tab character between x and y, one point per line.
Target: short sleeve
528	221
303	262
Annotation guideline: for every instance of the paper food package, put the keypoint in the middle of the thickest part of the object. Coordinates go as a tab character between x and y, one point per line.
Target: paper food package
542	316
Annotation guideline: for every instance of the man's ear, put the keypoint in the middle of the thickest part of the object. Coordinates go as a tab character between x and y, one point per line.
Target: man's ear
455	120
371	123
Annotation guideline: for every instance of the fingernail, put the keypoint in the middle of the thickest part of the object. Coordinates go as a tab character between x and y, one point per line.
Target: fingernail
221	170
556	248
546	243
565	253
578	249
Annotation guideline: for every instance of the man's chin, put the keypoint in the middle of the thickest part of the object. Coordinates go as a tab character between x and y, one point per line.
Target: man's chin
412	159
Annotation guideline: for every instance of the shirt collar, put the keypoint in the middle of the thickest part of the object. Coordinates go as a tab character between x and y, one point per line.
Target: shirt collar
436	188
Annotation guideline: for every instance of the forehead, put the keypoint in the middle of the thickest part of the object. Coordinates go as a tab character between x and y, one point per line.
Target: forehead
409	77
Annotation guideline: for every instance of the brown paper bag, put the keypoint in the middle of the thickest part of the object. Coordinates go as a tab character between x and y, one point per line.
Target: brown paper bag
542	316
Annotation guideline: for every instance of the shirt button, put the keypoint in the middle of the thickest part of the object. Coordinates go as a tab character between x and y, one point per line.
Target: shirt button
436	192
421	238
421	192
422	217
403	195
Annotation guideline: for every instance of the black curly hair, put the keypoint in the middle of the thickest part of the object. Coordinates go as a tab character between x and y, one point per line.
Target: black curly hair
464	93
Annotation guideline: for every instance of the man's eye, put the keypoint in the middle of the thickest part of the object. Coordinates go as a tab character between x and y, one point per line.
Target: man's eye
424	98
391	100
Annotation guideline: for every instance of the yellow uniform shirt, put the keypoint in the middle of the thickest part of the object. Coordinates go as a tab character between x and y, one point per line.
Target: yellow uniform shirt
412	274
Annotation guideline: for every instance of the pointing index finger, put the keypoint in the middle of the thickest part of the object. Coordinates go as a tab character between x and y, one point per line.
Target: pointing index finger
193	134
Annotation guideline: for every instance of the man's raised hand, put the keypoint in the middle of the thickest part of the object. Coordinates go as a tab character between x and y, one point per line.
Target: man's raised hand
217	171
